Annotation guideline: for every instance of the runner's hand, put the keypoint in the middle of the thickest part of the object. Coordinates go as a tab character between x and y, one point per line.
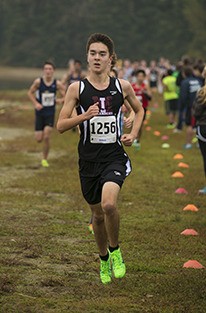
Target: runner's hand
127	139
92	111
38	106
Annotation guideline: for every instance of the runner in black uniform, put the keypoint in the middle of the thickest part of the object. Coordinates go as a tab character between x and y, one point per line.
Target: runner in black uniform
103	163
43	95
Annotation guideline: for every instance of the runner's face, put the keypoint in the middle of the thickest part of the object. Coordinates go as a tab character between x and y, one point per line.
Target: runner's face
48	71
140	78
98	57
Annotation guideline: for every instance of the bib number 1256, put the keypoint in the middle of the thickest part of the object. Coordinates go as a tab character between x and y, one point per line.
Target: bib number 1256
103	129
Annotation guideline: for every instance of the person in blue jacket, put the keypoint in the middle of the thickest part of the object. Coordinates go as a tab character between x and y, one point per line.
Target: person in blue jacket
188	89
199	111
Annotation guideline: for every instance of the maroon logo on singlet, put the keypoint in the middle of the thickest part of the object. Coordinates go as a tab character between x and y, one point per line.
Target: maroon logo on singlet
105	104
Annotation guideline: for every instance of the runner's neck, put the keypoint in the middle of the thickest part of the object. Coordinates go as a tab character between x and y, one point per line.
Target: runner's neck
48	80
99	81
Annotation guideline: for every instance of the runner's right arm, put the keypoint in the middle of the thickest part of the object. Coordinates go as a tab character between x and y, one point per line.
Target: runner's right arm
31	94
67	120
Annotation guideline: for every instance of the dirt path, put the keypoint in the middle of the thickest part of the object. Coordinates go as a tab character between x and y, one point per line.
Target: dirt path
7	133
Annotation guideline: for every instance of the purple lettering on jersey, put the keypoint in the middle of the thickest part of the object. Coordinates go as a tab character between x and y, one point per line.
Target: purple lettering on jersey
105	104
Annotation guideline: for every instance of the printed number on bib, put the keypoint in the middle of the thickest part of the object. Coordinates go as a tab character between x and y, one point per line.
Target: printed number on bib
103	129
48	99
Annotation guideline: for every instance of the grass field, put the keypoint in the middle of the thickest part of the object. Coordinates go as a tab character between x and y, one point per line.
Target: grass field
49	260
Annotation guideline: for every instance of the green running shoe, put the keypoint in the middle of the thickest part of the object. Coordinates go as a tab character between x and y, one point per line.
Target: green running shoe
90	227
44	163
105	271
170	126
118	266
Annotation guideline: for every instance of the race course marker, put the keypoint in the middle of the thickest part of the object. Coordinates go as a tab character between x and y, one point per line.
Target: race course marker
193	264
181	191
188	232
177	175
183	165
178	156
191	207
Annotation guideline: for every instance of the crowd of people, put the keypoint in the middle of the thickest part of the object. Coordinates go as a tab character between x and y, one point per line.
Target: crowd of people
177	83
95	100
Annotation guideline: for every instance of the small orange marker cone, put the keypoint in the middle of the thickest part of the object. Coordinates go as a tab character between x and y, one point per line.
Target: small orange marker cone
191	207
178	156
156	133
188	232
183	165
192	264
177	175
148	128
181	191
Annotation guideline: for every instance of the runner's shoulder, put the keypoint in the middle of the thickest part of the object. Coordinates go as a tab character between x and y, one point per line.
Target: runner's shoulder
126	85
73	89
36	83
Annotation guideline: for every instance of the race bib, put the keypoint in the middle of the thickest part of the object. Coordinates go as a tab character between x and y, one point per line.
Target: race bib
48	99
103	129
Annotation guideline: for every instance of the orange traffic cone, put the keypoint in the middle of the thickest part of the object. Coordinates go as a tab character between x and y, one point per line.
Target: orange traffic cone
157	133
177	175
192	264
181	191
178	156
191	207
183	165
188	232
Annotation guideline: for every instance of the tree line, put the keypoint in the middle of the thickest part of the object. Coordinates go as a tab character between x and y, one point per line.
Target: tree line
32	31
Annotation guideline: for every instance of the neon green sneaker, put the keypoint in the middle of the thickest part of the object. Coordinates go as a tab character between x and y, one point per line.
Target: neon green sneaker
90	227
44	163
118	266
105	271
170	126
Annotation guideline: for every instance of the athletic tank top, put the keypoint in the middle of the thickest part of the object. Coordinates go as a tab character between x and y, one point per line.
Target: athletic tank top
140	94
153	75
100	136
46	95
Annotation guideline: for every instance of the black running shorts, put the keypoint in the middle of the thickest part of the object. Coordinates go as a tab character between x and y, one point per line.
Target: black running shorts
93	175
41	121
171	106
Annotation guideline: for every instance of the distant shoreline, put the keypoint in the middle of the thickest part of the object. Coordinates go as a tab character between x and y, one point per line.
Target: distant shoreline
25	73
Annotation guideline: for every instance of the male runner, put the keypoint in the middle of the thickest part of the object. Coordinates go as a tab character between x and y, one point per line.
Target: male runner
143	93
103	163
42	93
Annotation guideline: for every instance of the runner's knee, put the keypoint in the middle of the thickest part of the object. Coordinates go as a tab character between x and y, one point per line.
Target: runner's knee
39	138
108	207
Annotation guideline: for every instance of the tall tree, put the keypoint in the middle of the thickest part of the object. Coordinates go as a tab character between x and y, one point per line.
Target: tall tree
32	31
194	11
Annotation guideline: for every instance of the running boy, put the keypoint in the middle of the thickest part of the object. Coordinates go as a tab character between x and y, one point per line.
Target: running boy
42	93
103	163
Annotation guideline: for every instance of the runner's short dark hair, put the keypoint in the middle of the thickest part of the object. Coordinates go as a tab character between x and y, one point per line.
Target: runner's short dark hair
49	63
98	37
140	71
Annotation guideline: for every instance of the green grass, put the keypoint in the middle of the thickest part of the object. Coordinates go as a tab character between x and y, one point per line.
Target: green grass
49	260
